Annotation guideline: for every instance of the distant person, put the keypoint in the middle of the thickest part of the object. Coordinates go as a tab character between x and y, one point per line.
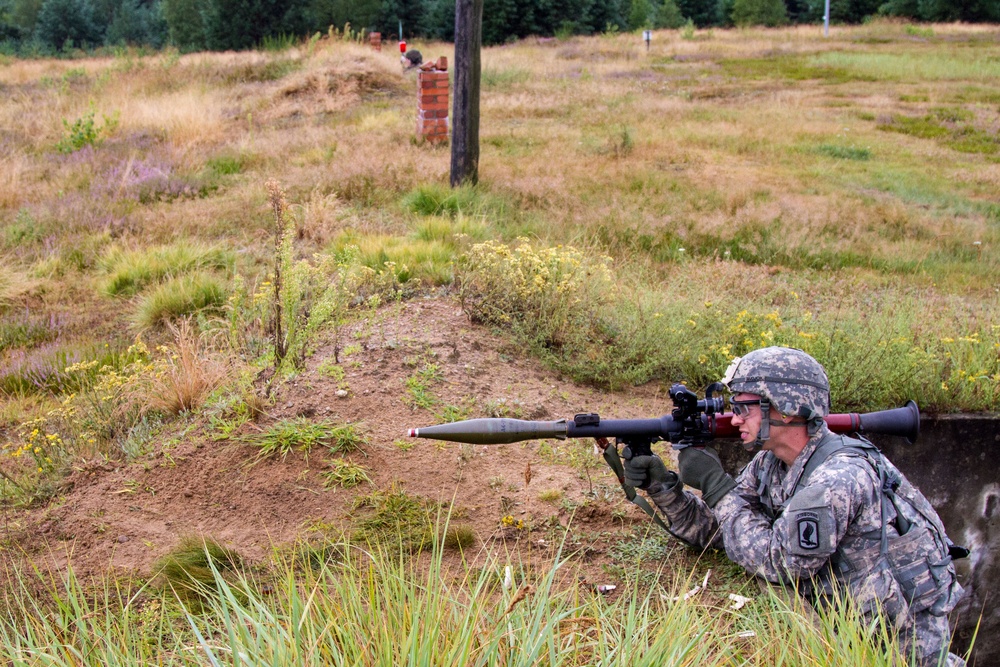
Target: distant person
814	510
411	59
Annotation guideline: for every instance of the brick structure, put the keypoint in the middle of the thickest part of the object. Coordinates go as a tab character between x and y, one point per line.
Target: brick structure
432	101
375	39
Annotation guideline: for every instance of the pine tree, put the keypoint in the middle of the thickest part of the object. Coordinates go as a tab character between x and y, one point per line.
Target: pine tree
605	14
67	24
9	31
639	14
128	25
704	13
768	13
441	24
668	15
243	24
843	11
414	15
24	15
185	27
496	20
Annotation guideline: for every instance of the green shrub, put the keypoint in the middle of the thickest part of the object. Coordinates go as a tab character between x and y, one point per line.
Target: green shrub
179	297
226	165
24	329
44	369
23	231
84	131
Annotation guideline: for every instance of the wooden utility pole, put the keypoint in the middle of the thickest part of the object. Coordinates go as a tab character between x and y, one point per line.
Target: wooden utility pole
465	115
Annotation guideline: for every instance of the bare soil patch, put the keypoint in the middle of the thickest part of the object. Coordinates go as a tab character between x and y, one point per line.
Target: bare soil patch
123	518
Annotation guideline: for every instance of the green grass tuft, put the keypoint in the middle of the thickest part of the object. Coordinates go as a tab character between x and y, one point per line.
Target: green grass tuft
795	68
180	297
434	199
844	152
196	569
459	536
130	271
304	435
397	520
226	165
496	78
345	474
920	66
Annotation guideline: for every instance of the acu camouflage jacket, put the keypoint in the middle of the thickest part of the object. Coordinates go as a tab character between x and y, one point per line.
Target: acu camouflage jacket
829	528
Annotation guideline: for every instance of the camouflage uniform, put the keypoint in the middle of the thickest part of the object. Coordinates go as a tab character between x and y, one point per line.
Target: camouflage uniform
844	495
828	531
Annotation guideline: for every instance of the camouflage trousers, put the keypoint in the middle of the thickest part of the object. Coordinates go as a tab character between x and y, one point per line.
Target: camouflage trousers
926	640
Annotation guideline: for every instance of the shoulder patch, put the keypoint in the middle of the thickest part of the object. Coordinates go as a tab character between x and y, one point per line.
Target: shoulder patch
811	524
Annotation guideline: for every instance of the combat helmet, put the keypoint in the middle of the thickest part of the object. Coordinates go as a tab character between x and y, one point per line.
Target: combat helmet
786	379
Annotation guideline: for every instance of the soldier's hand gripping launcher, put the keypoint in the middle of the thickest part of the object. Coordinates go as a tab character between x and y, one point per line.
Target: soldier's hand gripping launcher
692	422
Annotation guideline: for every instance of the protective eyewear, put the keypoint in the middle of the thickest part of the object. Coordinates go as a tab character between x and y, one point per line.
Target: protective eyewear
742	408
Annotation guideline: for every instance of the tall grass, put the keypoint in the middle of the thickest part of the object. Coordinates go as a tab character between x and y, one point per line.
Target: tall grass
932	66
352	606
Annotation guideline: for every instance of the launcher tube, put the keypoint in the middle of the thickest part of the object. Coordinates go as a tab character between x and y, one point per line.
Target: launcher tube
903	421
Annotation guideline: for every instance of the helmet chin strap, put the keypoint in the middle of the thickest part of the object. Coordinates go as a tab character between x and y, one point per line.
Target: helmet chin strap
764	434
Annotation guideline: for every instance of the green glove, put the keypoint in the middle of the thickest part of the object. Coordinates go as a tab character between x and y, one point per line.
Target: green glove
643	472
702	469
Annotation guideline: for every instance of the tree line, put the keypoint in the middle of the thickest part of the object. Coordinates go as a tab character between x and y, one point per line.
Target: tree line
46	27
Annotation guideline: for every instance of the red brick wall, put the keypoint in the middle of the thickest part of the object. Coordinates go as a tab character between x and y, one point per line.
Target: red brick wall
432	105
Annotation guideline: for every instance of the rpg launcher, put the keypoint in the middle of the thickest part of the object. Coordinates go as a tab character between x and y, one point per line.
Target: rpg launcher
693	422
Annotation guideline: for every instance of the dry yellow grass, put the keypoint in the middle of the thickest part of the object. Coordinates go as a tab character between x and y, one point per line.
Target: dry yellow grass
12	168
186	375
188	118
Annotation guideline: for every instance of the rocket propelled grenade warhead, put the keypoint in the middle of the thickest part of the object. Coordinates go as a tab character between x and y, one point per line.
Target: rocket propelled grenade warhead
496	431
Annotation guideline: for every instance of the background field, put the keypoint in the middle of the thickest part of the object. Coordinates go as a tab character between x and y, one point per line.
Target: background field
641	218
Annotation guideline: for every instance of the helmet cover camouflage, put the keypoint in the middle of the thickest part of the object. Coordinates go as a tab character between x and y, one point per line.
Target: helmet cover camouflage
795	384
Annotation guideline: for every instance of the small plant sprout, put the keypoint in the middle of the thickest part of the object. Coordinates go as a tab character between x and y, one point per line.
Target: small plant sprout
345	474
403	444
550	495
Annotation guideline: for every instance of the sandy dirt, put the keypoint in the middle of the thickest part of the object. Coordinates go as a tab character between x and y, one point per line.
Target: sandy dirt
123	518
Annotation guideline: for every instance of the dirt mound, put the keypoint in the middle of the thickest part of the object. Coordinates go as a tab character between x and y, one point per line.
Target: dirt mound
332	89
192	484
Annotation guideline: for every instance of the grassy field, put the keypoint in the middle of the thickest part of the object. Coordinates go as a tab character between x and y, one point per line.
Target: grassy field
174	227
746	187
